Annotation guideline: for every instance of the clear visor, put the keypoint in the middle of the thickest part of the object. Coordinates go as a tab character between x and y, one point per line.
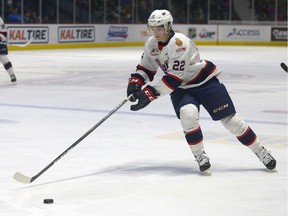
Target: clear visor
156	29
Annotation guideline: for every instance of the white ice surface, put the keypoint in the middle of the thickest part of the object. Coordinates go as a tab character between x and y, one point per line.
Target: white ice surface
136	163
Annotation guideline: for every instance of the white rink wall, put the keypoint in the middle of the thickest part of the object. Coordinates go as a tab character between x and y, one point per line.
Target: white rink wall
61	36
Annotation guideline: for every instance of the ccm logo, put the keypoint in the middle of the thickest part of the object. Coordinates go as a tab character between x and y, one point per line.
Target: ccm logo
220	108
148	95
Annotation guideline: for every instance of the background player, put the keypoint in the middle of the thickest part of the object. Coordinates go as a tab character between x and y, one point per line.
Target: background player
191	82
4	52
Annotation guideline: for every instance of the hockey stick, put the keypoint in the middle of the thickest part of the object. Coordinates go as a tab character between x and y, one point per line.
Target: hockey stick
25	179
22	45
284	66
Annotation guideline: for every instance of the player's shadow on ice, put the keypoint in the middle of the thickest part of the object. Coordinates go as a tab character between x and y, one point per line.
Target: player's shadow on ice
166	169
150	168
135	169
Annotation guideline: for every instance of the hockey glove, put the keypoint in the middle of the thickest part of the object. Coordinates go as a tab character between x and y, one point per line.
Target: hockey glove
144	97
134	85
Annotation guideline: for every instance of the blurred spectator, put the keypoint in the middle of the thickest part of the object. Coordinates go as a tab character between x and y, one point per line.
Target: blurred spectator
220	10
82	3
264	10
31	17
198	12
144	9
14	16
131	11
282	10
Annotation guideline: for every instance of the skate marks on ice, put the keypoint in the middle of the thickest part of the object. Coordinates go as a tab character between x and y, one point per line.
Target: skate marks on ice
7	121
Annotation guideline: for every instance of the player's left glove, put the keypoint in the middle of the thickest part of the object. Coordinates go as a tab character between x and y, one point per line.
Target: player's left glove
144	97
135	83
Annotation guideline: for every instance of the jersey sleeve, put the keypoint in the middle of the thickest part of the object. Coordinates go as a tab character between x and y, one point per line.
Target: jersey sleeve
147	67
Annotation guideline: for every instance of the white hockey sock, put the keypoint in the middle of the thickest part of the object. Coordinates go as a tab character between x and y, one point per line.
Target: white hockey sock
256	147
7	64
197	149
10	71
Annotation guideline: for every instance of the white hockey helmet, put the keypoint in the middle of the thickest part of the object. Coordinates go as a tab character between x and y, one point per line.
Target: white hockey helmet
160	18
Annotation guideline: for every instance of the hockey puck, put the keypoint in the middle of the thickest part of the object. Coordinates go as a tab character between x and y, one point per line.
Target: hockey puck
48	201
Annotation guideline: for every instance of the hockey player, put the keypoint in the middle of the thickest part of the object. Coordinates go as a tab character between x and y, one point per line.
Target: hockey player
191	82
4	52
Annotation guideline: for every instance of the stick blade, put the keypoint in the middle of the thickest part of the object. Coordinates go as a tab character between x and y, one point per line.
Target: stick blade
22	178
23	45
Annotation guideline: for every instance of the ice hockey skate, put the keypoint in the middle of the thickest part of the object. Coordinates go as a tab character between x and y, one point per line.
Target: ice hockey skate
203	161
13	78
267	159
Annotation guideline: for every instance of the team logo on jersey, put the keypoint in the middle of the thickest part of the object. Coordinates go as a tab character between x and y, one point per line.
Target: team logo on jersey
154	52
164	67
178	42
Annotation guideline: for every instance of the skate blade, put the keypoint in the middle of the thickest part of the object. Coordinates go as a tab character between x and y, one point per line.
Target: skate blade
206	172
273	170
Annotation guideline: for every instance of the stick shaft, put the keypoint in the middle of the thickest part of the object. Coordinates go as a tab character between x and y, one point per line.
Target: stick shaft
21	45
80	139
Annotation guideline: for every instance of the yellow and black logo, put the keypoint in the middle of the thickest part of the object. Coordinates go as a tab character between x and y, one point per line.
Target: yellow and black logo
178	42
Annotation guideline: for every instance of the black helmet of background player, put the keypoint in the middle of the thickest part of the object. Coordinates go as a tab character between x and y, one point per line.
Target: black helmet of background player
160	18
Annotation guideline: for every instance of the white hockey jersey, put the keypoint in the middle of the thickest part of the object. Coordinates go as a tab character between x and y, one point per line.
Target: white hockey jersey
3	32
180	61
1	23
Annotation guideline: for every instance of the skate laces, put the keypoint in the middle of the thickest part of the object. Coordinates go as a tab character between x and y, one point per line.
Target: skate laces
264	156
202	159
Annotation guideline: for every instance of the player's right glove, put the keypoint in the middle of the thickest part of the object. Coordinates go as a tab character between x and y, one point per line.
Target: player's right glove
135	83
144	97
